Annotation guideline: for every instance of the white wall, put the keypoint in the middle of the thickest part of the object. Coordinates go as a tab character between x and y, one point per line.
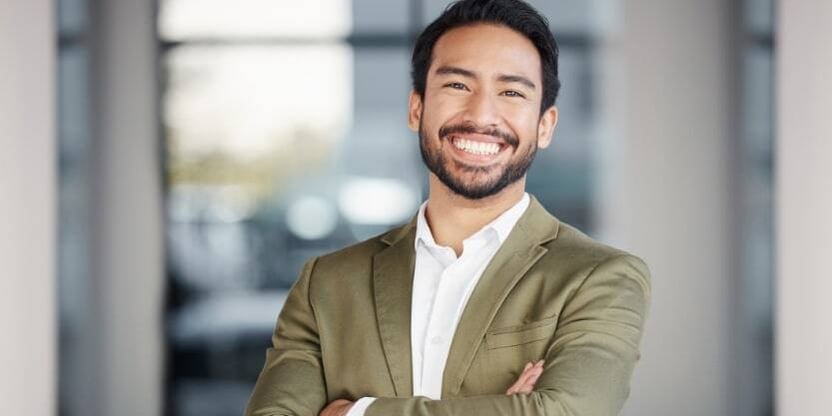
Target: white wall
666	194
27	208
804	208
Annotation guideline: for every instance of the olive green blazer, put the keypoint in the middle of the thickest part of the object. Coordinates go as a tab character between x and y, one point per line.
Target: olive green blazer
550	293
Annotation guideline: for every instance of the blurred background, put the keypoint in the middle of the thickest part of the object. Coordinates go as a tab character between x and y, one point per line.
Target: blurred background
171	164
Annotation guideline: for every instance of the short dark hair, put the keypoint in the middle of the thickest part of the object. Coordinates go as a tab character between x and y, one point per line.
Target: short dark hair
514	14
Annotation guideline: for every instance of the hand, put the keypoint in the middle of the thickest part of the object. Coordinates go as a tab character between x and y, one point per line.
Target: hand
338	407
525	382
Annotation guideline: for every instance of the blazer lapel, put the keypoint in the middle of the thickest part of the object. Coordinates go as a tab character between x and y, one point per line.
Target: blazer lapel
392	287
519	252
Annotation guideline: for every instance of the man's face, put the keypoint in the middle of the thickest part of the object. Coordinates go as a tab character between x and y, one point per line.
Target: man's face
479	123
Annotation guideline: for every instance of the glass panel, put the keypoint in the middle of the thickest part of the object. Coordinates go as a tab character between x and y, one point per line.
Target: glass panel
380	146
195	19
380	16
759	16
72	16
253	133
75	290
757	233
561	176
243	123
758	115
565	16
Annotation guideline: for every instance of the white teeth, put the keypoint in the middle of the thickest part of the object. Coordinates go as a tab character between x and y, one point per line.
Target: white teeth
477	148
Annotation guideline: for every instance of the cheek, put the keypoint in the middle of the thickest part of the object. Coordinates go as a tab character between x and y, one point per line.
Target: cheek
450	108
524	123
445	106
436	116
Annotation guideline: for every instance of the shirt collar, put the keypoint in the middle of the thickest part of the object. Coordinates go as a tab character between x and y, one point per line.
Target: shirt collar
502	225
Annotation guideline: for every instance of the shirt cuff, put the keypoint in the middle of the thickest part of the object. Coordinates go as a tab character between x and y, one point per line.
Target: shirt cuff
361	406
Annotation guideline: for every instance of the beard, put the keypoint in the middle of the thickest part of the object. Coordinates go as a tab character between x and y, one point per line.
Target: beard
485	183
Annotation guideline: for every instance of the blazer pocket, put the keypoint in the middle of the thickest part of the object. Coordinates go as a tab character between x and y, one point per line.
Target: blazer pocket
522	334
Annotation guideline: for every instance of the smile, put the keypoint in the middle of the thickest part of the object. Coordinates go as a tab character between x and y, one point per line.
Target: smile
476	147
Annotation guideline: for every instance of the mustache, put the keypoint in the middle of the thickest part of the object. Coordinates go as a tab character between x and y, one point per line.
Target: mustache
509	138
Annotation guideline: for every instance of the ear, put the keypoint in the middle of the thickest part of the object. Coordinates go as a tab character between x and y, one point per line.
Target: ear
414	112
546	126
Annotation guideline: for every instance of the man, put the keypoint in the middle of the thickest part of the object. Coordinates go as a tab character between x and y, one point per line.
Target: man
484	304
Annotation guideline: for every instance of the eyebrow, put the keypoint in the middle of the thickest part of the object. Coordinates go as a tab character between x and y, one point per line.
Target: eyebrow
517	78
453	70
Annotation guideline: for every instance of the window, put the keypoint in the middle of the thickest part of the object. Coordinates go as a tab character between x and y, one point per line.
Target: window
756	221
285	125
74	200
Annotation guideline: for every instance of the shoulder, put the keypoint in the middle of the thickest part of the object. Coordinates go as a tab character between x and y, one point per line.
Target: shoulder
583	256
356	257
574	243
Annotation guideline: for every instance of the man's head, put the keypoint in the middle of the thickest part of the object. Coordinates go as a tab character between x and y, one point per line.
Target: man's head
484	87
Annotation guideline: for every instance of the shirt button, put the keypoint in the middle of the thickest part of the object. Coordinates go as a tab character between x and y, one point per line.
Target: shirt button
436	340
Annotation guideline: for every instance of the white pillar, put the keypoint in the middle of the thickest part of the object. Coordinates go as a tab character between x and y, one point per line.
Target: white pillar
127	263
666	194
28	228
803	180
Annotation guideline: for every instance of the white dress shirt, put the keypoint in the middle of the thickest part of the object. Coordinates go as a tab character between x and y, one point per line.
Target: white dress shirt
442	284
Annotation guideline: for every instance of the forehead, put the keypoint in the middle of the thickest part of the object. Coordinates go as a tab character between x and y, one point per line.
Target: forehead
487	49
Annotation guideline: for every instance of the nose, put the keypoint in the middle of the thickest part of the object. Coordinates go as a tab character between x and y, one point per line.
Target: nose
482	110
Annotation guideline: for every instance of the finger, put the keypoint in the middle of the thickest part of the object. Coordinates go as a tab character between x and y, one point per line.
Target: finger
523	375
527	386
345	408
533	379
524	383
524	390
334	407
513	389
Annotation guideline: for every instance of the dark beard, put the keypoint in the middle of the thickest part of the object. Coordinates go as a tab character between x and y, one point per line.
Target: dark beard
437	164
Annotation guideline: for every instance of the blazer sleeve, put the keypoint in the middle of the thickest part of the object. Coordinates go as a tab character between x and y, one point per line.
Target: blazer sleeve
588	364
292	379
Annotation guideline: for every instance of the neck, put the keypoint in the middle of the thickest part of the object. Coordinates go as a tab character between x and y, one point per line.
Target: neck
453	218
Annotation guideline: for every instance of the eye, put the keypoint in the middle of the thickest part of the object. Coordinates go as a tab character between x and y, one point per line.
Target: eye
512	93
456	86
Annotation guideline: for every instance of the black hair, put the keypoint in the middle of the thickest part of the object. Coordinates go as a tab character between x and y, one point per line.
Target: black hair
514	14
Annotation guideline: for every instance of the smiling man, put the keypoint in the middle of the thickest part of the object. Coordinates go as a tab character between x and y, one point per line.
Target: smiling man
484	304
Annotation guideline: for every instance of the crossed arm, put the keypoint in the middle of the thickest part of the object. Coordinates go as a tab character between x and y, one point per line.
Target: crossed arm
524	384
587	366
